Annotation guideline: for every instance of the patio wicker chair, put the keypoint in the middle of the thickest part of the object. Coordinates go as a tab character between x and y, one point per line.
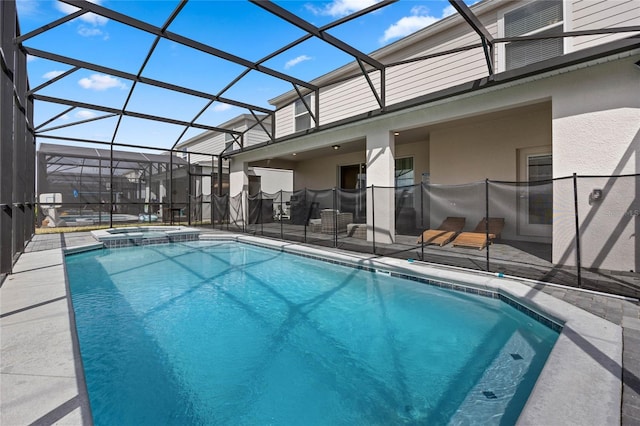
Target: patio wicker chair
478	238
330	218
449	228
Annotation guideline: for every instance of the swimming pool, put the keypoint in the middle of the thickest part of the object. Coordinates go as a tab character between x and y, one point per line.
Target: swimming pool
220	332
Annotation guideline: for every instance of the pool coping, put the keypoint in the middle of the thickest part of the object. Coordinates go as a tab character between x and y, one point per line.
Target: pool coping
580	384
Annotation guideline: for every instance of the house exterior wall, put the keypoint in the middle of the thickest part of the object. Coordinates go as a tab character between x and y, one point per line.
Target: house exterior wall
256	135
318	173
361	99
284	121
212	142
597	132
475	149
419	151
414	79
487	147
408	81
215	142
274	180
322	172
589	14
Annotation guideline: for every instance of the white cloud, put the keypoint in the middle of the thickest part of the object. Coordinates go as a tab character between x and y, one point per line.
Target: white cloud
101	82
449	10
90	18
219	107
27	7
339	8
52	74
31	58
84	114
295	61
419	19
85	31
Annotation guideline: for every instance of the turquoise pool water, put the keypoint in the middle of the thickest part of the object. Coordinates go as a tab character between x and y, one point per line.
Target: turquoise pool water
226	333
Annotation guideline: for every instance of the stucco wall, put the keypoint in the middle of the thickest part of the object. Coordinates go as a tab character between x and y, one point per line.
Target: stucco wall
274	180
419	151
322	172
597	132
486	147
477	148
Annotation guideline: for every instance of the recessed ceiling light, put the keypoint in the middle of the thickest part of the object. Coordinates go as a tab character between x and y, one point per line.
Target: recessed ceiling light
336	147
396	133
294	153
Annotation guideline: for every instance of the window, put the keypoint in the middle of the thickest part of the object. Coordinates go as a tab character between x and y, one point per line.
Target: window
301	114
543	17
404	171
539	169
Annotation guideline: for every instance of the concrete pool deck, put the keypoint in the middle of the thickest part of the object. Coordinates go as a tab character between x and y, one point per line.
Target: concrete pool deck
42	379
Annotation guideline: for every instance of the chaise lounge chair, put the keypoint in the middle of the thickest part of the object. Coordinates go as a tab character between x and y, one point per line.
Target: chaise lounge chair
478	238
449	228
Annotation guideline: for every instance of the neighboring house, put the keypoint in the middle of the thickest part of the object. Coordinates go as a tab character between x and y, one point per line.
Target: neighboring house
552	108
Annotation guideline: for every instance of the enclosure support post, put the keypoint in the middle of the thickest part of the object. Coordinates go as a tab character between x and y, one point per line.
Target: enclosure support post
212	192
100	192
219	176
228	211
190	190
260	218
281	213
577	219
373	218
306	214
111	185
421	221
244	219
335	218
486	220
171	187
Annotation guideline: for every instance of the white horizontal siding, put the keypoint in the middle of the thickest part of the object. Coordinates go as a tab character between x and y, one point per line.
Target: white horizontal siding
409	81
255	136
591	14
284	121
197	158
349	98
459	36
213	145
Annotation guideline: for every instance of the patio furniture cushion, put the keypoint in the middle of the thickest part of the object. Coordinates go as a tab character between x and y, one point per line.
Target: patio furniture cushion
447	230
478	238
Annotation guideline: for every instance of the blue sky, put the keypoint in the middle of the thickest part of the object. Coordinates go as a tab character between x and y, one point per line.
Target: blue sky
237	27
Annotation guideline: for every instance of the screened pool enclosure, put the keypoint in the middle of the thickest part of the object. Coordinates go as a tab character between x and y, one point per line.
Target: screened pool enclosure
92	186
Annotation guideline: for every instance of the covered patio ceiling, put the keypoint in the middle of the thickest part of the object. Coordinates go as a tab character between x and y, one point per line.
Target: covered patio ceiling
402	137
227	88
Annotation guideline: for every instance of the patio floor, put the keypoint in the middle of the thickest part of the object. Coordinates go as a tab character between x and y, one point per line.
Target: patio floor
32	324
